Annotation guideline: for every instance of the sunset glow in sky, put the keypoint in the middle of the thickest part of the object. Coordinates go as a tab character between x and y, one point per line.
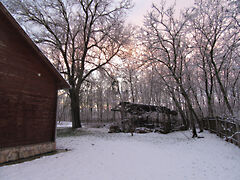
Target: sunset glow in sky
141	7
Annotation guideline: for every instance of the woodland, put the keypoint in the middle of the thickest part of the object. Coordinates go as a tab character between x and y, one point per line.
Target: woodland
189	63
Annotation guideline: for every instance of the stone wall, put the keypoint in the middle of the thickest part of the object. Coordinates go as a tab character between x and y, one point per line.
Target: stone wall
21	152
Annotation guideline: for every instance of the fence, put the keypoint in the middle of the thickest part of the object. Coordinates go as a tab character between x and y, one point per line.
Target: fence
224	128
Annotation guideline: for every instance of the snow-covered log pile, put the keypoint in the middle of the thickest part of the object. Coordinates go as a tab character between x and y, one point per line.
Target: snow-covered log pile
139	109
141	118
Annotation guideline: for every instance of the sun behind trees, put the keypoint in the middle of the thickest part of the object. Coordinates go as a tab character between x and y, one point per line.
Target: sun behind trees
80	36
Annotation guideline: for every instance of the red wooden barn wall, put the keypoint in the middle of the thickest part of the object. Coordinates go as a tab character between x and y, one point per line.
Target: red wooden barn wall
28	92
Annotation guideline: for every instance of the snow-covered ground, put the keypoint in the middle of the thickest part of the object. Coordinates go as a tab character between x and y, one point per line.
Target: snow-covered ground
64	124
97	155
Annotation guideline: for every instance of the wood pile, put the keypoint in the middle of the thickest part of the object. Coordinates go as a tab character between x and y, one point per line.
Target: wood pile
136	118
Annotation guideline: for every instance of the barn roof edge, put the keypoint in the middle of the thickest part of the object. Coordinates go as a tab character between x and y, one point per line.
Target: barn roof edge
61	82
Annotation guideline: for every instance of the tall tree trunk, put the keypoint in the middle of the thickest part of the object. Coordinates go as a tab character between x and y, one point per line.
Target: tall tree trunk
209	104
225	98
75	108
194	132
209	83
184	118
198	103
189	104
192	112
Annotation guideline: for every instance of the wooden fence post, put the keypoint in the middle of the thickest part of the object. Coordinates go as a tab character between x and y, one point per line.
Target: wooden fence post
157	123
225	127
238	135
217	129
208	124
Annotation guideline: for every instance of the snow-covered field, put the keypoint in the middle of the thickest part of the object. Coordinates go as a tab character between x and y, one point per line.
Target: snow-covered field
97	155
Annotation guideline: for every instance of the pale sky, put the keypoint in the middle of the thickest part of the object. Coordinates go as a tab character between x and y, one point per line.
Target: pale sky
141	7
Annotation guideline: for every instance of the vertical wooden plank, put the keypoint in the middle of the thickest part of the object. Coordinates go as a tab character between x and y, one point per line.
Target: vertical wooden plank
123	114
164	117
54	130
225	128
238	135
157	123
121	109
123	123
220	128
208	124
217	129
169	121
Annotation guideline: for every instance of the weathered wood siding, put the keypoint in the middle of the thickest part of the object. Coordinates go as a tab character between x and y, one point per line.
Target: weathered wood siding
28	92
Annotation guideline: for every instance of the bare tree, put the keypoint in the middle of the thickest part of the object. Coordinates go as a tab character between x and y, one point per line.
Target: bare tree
83	35
164	37
215	35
